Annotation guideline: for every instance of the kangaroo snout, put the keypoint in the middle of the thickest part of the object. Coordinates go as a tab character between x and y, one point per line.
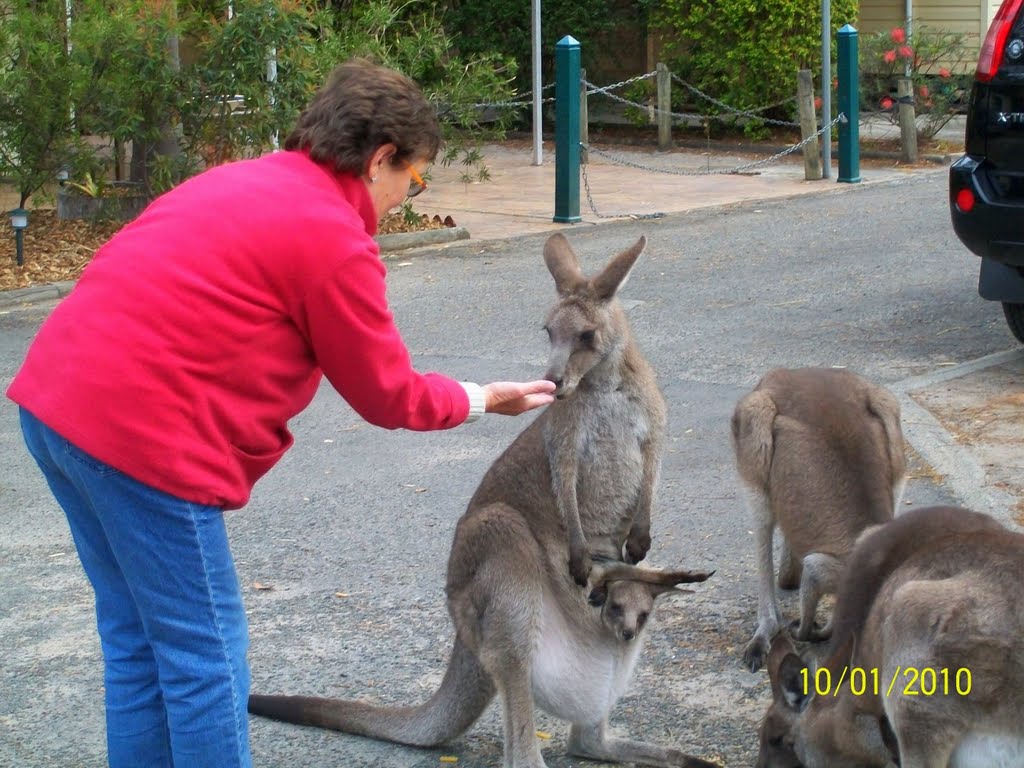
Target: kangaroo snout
562	388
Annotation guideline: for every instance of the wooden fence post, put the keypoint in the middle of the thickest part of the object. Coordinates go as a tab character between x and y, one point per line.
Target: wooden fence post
808	124
664	81
908	120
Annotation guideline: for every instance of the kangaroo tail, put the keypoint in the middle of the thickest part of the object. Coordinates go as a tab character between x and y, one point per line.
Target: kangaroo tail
461	698
752	433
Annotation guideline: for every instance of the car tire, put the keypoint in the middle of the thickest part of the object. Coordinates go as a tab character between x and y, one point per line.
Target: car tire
1015	319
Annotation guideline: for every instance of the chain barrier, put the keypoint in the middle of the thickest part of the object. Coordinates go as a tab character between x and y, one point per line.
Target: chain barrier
614	86
840	118
606	90
744	112
644	107
518	102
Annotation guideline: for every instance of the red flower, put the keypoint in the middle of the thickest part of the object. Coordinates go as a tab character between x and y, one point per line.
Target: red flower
898	35
889	57
923	91
817	102
943	72
906	52
886	103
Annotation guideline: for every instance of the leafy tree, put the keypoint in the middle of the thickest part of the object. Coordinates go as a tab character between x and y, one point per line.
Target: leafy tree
509	29
235	108
133	89
36	84
411	38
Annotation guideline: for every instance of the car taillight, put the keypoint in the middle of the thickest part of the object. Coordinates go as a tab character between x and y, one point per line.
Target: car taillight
965	200
992	49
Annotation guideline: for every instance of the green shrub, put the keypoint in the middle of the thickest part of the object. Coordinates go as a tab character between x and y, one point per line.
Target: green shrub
746	53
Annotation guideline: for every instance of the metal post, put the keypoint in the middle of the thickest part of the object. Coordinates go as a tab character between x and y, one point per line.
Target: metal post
849	105
538	114
567	130
826	87
19	247
584	119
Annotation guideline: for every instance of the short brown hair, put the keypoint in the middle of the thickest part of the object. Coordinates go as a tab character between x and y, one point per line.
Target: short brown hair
362	106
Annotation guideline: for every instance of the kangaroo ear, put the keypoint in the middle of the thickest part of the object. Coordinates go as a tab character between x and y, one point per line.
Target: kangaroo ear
563	264
784	672
657	590
660	580
614	276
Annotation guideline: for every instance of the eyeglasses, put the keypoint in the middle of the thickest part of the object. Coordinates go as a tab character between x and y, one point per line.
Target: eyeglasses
417	184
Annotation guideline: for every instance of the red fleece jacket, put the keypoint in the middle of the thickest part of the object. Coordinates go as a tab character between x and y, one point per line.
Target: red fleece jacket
204	325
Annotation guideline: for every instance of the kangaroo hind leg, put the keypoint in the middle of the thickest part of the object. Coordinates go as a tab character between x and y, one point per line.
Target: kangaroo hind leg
495	592
592	742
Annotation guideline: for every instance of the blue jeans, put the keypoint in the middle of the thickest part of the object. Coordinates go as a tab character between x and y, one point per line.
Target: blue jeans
168	608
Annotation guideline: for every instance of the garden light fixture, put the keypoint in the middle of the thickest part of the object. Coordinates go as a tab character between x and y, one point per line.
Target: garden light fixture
19	220
63	175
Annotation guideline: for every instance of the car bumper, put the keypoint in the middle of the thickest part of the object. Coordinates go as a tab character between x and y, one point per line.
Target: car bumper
994	227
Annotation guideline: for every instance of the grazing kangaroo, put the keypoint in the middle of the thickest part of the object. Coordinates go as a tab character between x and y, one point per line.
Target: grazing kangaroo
929	639
820	453
574	487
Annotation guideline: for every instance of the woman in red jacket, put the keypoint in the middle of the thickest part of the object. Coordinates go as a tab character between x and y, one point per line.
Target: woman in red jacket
159	391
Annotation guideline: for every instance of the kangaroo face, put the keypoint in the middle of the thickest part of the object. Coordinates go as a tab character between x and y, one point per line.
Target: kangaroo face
778	749
627	608
802	730
587	325
582	334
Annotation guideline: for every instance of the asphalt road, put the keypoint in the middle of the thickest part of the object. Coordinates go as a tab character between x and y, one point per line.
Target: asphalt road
351	531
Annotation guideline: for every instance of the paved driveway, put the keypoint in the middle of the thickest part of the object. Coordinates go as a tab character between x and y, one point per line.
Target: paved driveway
343	549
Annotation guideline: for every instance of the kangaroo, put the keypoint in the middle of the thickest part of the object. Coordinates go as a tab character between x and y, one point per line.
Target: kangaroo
602	441
574	487
929	631
820	453
572	659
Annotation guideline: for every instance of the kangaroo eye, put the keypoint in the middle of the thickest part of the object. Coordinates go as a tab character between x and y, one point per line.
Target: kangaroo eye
641	619
587	337
615	610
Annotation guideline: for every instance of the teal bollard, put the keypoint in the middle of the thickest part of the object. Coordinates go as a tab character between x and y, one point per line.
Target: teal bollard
849	105
567	130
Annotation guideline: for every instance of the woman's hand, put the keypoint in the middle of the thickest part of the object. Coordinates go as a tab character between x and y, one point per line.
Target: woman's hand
511	398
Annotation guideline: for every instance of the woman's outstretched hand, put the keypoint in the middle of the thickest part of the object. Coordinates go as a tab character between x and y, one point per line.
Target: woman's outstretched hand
511	398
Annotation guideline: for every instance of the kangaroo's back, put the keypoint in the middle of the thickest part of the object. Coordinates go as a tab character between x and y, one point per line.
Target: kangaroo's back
836	455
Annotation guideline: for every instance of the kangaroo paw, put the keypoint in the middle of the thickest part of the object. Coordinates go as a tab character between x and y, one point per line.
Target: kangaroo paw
637	546
755	654
580	567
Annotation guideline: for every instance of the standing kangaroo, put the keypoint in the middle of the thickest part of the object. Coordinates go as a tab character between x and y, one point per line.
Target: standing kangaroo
929	639
575	486
820	453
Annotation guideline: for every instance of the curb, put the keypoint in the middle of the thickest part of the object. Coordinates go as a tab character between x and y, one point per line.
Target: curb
35	293
398	241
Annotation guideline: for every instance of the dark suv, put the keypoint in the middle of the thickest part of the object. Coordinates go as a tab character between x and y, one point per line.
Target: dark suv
986	185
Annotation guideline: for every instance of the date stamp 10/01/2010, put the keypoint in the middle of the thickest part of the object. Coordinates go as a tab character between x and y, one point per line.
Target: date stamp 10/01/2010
905	681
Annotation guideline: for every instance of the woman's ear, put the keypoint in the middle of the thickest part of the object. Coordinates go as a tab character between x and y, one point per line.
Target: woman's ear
380	155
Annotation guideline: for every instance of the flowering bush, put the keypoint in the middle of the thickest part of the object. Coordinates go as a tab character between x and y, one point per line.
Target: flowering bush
929	58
